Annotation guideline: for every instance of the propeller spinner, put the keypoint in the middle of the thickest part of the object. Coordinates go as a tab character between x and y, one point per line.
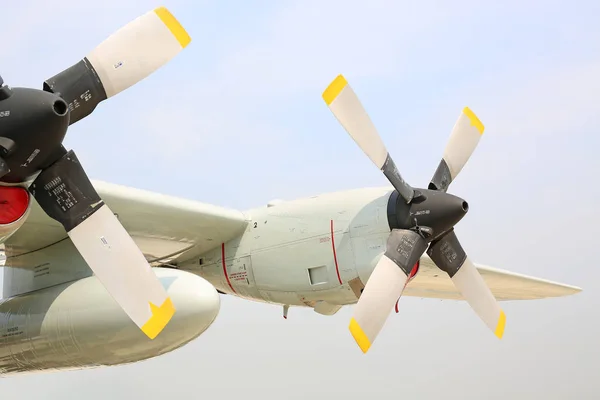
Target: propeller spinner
424	221
33	124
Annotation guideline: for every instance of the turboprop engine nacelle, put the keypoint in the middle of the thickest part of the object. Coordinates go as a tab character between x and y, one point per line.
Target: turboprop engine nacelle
79	325
15	204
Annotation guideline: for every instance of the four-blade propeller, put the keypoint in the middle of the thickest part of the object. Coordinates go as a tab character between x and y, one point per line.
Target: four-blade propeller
34	124
32	130
425	221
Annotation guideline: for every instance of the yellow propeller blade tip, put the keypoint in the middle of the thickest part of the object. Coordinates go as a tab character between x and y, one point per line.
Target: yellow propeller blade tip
334	89
474	120
159	319
174	26
359	336
501	324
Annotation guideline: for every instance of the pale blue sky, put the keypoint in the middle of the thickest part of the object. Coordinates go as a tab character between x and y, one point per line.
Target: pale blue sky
237	119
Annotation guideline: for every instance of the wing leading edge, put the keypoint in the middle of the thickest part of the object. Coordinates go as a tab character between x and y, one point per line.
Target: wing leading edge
170	229
505	285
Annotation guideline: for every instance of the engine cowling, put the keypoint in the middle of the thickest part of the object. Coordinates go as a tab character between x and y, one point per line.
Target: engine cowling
78	325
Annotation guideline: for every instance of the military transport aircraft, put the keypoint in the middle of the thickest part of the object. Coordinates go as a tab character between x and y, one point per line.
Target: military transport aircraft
79	290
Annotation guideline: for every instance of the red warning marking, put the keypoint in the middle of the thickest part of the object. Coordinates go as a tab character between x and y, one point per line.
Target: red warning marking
412	274
225	267
414	271
239	276
337	269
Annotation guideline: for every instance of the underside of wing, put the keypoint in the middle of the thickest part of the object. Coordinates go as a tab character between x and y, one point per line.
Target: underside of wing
430	282
167	229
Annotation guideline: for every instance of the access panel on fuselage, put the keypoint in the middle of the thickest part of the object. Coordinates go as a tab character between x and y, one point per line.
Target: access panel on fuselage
241	276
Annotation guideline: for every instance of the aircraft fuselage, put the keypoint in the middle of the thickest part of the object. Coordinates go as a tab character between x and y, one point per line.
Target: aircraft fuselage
314	252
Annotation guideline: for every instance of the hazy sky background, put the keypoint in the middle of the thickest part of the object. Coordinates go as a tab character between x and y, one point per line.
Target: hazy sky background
237	119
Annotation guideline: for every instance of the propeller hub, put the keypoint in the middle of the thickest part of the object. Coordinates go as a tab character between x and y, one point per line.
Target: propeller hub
5	93
33	124
430	211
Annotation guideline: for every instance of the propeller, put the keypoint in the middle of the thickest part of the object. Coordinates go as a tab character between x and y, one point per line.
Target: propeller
421	220
33	124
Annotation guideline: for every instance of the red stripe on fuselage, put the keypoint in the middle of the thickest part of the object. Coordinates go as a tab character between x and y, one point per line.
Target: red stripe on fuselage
337	269
225	267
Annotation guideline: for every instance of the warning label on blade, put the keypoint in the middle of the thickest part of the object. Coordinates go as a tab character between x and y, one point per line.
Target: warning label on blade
63	196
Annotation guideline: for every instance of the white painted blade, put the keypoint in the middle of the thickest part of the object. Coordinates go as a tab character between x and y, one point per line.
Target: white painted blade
138	49
471	285
462	142
345	105
384	287
121	267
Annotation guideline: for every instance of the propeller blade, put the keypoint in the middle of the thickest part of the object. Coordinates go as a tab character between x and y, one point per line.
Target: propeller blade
449	256
346	107
65	193
385	286
462	142
123	59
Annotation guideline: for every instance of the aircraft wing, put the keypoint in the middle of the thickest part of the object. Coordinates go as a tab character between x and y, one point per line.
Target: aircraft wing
430	282
165	228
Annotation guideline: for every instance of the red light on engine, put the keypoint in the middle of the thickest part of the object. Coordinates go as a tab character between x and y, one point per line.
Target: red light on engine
13	203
